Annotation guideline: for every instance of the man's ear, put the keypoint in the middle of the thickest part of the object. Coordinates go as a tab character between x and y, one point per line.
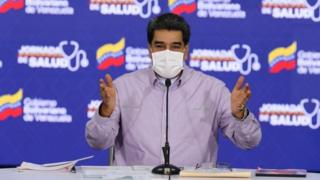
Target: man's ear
150	51
186	52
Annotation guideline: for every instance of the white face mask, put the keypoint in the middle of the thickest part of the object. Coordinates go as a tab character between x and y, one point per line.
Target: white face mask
167	64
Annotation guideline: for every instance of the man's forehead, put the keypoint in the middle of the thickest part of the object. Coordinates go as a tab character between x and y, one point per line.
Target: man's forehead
168	36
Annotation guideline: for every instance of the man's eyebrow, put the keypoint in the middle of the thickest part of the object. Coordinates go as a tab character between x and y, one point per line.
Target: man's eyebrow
158	42
177	43
173	43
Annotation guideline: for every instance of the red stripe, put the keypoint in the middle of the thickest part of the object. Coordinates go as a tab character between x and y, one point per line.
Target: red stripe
288	65
111	62
184	8
11	4
13	112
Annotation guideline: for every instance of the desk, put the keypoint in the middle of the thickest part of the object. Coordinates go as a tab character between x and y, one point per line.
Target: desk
14	174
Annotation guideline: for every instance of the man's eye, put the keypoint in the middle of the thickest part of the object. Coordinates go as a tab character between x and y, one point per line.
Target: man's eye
176	47
159	46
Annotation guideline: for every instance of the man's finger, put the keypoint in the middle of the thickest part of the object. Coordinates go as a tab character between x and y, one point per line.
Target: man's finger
246	88
248	94
109	80
102	84
239	83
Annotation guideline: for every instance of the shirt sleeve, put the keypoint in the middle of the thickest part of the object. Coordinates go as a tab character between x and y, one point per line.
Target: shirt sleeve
101	132
244	133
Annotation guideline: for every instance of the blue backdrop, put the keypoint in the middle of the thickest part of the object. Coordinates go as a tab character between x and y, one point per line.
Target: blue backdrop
52	53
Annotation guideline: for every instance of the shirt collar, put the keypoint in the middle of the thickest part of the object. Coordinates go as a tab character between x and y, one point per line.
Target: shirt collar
186	74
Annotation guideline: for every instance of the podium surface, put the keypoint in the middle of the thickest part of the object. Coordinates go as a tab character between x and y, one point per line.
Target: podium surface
125	172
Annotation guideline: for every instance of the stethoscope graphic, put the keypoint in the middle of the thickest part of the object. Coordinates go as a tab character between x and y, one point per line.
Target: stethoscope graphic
155	9
315	111
79	56
313	8
251	58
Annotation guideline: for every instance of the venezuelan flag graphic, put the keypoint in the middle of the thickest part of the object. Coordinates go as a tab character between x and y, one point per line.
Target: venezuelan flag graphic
110	55
10	105
6	5
182	6
283	58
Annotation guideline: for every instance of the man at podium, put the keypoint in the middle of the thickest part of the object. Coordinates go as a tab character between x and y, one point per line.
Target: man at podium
132	115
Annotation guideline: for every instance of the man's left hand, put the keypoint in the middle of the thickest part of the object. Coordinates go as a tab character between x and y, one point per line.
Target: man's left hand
239	97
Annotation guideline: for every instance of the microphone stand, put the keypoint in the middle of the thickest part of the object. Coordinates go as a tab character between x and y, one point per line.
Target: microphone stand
166	168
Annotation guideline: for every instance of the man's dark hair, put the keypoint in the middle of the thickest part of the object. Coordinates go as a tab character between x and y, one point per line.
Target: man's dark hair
169	21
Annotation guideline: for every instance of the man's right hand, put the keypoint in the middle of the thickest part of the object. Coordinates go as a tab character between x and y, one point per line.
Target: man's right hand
108	95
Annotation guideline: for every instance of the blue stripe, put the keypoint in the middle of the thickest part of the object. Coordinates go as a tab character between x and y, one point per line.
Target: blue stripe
281	58
11	106
108	55
2	2
179	2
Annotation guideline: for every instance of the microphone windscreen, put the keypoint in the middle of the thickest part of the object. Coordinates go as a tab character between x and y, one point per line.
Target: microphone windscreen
168	82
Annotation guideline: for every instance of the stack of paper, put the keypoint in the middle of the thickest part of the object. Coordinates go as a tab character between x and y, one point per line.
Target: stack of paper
215	174
281	172
66	165
116	172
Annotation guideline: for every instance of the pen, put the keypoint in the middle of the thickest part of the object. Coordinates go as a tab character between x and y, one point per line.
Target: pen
73	169
197	166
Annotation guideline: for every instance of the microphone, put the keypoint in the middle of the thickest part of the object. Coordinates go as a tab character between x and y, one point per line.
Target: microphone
166	168
168	84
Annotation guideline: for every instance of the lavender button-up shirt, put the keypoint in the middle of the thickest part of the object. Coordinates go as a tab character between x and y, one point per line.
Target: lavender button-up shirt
198	106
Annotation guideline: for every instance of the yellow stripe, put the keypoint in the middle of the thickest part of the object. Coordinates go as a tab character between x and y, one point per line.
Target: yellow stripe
170	2
111	48
282	51
7	98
